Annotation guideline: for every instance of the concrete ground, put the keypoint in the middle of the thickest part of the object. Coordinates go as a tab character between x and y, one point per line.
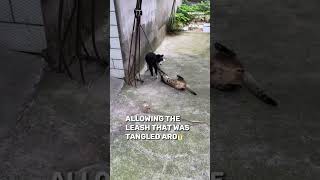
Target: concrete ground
187	54
50	125
116	85
278	42
17	85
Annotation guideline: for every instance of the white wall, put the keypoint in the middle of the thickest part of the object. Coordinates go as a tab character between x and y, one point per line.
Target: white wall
153	20
116	61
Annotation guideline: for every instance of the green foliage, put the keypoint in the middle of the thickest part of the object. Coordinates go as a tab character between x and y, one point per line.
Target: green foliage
203	6
174	25
184	19
187	12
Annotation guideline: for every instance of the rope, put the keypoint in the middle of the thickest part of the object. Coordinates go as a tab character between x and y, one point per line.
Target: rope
134	22
93	29
173	12
172	17
136	37
61	7
145	34
136	31
139	52
78	36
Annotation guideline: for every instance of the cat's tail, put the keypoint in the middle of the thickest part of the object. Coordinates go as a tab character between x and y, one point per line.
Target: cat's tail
191	91
255	89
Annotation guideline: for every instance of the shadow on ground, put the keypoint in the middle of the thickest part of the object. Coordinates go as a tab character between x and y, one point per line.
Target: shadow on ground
57	126
278	42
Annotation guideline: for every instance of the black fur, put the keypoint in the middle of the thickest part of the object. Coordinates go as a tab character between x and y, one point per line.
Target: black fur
179	77
153	61
221	48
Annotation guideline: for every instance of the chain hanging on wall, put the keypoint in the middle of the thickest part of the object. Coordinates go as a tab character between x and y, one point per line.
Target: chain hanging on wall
135	38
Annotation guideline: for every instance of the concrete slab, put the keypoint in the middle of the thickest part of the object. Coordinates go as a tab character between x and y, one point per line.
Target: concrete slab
26	11
22	37
5	13
19	75
63	130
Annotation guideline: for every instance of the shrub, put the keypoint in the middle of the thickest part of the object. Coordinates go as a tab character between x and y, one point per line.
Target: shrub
186	13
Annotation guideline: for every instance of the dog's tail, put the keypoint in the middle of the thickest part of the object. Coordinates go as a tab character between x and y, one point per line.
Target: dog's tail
255	89
191	91
187	88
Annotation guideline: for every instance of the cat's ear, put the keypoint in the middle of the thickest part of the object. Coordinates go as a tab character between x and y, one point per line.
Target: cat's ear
161	55
224	49
179	77
158	55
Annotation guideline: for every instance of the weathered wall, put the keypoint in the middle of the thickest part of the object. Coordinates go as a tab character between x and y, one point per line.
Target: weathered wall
154	18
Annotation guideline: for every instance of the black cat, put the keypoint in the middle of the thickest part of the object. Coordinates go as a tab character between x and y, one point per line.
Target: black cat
153	61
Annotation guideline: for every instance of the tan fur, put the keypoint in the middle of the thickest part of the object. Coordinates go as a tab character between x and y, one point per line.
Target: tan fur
227	73
179	83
